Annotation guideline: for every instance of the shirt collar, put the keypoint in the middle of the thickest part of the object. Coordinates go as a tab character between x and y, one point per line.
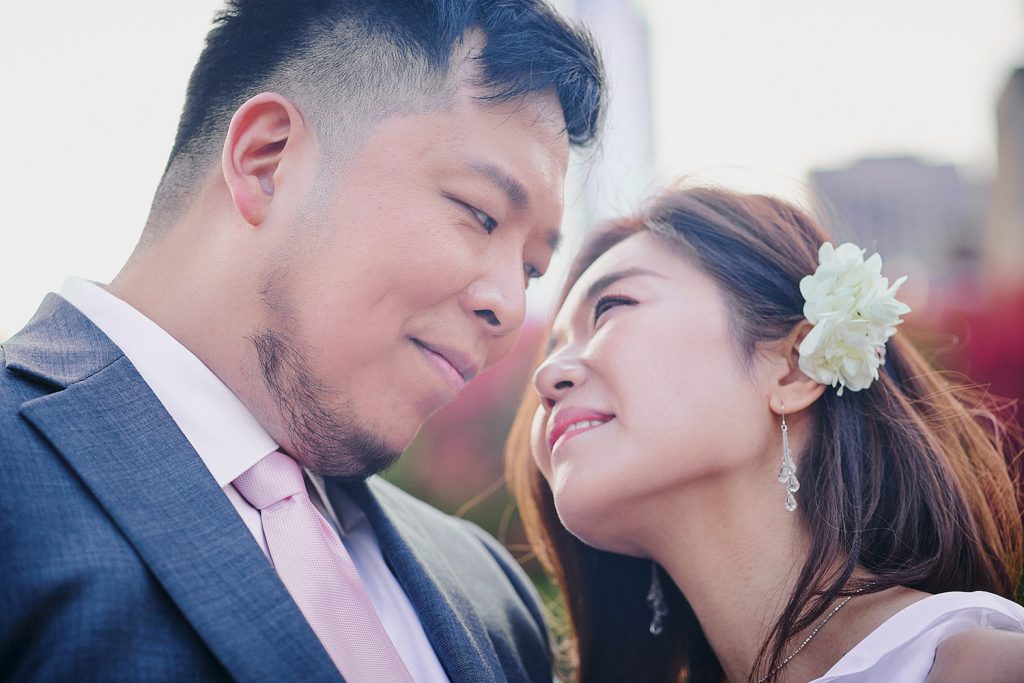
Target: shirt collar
218	425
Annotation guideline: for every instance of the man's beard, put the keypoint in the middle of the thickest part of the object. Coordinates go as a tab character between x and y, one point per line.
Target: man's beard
328	442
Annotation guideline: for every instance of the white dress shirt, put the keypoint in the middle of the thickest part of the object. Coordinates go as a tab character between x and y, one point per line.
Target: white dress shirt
229	440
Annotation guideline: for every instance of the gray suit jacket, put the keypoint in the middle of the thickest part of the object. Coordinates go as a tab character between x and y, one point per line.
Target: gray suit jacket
122	560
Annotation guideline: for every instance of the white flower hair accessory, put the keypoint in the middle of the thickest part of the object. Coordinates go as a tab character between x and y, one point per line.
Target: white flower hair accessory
854	311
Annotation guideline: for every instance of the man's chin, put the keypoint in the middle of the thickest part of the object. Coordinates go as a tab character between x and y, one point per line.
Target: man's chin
351	454
325	432
354	465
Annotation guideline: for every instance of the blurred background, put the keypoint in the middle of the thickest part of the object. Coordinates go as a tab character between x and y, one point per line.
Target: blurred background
900	123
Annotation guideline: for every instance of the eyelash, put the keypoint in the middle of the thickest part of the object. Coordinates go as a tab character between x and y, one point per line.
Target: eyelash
602	305
486	222
490	225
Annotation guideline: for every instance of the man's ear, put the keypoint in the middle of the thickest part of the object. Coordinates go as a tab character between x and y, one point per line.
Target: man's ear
259	132
790	386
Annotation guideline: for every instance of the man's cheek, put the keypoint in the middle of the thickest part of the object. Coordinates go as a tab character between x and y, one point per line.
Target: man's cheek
501	347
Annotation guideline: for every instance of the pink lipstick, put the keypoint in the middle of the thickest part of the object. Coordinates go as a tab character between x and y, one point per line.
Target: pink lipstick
569	422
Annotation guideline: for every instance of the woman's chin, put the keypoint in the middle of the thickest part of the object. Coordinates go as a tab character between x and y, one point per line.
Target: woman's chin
598	529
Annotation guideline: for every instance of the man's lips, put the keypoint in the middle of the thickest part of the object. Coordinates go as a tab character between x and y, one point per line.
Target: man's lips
569	422
455	367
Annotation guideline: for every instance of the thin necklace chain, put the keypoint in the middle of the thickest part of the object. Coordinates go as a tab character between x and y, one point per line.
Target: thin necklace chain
813	633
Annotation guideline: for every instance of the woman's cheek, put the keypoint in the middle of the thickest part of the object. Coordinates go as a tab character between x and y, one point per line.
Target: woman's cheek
538	445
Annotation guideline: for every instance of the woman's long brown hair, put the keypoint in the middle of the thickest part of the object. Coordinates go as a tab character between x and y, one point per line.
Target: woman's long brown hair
911	478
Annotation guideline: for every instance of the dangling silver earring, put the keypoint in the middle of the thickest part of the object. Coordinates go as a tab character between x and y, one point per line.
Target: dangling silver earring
787	473
656	601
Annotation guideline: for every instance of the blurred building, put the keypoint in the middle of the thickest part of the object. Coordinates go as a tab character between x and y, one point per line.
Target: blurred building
963	242
612	177
925	216
621	170
993	352
1004	247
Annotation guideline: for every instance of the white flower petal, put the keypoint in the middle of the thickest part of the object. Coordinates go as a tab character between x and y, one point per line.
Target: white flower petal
853	311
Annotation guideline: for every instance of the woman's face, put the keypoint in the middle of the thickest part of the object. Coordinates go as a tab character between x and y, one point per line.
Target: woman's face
645	399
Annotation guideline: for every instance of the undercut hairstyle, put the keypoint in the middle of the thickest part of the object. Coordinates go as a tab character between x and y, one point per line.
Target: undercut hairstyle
347	64
915	479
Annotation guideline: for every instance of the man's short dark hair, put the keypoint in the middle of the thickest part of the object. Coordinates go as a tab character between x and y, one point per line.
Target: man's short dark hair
346	63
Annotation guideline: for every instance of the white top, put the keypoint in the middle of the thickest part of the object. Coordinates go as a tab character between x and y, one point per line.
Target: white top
903	647
229	440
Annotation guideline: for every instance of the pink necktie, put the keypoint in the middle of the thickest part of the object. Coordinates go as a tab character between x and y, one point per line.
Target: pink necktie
318	572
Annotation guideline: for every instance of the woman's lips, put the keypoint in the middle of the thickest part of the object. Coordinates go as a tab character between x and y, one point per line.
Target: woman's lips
570	422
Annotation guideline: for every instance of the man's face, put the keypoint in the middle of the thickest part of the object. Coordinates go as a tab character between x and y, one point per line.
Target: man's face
409	277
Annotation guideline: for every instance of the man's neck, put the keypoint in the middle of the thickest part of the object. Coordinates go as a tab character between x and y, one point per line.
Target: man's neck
197	287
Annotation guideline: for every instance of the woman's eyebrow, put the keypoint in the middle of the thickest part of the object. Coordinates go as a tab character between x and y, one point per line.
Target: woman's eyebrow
605	281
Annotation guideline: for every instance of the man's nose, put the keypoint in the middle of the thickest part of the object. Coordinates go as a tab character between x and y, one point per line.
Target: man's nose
498	298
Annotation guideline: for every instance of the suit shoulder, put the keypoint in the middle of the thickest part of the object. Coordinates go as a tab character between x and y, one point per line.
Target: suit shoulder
480	557
15	388
15	391
395	496
429	515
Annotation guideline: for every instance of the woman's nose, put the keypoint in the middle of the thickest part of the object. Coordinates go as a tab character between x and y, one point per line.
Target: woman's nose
557	376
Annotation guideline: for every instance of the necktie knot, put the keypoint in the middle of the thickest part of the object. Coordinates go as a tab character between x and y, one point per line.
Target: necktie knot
271	480
318	572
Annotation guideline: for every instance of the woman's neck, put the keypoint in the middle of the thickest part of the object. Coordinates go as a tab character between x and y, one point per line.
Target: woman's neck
736	557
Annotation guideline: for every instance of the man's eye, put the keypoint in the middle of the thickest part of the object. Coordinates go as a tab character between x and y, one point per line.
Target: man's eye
486	222
608	302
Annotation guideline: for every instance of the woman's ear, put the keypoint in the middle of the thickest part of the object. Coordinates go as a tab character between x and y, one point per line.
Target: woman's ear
259	132
790	387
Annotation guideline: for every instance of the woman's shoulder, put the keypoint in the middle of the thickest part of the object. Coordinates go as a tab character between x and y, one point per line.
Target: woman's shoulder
904	647
979	655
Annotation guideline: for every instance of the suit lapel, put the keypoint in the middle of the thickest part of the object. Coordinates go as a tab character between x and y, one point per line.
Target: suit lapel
452	625
117	437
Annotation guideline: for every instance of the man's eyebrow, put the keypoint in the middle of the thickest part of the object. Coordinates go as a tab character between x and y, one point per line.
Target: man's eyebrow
512	188
599	285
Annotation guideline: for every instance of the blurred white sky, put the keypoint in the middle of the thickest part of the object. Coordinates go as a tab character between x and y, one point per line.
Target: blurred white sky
752	93
782	86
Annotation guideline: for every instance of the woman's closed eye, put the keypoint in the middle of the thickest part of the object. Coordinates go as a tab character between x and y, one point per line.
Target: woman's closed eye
610	301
